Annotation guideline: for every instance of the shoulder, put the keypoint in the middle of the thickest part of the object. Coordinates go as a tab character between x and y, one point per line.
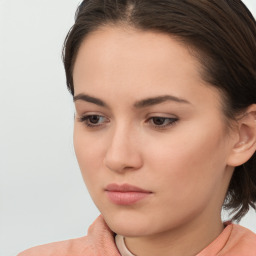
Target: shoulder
99	241
69	247
242	242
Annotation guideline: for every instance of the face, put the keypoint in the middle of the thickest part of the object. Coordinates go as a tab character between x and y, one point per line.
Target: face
149	133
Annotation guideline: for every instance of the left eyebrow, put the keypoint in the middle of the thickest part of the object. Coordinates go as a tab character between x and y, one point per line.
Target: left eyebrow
157	100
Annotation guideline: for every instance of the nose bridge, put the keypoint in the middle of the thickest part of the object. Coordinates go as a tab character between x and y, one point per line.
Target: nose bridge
123	152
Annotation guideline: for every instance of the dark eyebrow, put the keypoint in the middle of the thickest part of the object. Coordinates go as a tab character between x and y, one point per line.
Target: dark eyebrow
139	104
90	99
157	100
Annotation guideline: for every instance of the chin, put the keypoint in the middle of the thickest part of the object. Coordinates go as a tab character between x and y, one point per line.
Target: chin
129	224
128	230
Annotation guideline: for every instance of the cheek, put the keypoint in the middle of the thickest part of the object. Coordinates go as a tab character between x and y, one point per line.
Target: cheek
186	173
189	160
89	153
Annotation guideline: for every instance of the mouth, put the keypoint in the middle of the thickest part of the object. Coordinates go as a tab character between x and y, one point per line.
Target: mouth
125	194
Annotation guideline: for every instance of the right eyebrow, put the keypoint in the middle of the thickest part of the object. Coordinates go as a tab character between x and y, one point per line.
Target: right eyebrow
88	98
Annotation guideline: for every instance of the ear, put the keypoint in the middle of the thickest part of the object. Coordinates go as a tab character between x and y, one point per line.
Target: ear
245	143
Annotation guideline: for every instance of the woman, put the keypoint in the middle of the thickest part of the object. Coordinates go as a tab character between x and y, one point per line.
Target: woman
165	126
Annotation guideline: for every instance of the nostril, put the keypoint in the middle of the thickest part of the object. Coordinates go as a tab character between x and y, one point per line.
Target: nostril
122	163
115	165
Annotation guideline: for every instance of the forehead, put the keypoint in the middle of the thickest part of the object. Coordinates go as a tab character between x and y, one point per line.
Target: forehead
128	48
124	60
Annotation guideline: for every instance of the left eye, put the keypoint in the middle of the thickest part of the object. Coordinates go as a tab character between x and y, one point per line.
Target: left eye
95	119
161	122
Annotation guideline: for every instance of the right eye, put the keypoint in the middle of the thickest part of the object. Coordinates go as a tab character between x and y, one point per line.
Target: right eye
93	121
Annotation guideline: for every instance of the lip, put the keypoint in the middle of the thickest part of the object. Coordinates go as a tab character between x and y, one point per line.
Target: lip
125	194
125	188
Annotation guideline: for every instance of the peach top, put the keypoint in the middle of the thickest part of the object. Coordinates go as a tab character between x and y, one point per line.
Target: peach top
235	240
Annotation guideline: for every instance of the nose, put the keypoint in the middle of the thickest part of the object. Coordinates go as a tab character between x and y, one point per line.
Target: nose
123	152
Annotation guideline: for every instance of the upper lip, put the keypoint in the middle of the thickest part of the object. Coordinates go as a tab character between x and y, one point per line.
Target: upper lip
125	188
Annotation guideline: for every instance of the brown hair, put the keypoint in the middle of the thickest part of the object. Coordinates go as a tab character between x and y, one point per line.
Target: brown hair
221	32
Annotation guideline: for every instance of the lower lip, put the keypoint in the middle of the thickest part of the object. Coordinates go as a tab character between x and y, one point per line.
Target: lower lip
126	198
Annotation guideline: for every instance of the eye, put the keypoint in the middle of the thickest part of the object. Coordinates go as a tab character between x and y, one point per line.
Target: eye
162	122
93	121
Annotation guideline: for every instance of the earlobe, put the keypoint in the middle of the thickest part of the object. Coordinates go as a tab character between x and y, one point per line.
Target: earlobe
245	146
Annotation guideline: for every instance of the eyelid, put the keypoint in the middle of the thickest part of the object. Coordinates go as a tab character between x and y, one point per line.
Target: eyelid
159	114
80	114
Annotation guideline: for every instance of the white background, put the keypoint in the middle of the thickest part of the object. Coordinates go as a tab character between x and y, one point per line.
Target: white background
42	195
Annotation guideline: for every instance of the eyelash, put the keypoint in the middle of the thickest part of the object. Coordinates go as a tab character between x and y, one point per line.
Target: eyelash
86	120
172	121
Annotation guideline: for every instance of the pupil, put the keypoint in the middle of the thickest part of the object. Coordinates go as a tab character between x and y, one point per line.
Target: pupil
94	119
158	120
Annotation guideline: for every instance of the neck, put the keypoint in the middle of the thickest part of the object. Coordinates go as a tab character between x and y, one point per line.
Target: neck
188	240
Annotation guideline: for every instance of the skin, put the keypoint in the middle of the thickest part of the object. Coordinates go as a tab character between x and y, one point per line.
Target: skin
185	164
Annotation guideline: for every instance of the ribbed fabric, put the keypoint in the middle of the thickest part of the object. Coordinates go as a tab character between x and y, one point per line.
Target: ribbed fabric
235	240
120	243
